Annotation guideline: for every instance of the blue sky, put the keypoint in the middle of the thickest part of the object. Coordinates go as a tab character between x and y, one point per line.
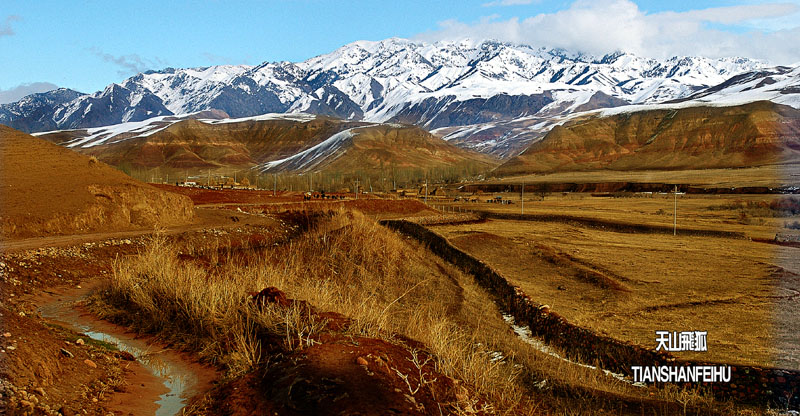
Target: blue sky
86	45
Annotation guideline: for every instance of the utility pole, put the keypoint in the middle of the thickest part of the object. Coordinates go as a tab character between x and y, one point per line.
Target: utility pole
274	184
522	198
675	214
356	189
426	191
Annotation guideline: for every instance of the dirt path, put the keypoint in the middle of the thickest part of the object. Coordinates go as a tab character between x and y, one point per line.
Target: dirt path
207	217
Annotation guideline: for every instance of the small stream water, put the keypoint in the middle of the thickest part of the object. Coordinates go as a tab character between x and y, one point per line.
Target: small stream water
524	333
176	376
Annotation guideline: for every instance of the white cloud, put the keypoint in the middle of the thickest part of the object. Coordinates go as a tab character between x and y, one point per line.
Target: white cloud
600	27
507	3
5	28
15	93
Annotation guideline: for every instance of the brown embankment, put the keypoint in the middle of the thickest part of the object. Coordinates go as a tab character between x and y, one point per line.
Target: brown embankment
760	385
598	187
609	225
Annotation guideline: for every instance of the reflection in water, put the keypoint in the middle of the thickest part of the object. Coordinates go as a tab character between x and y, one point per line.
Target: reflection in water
175	378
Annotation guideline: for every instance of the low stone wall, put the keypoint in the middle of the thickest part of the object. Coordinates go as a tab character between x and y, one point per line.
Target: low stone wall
748	384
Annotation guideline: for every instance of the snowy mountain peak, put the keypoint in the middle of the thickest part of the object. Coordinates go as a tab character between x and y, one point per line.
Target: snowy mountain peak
434	85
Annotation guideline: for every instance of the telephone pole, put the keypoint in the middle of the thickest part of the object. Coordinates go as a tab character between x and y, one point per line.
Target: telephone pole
675	214
426	191
274	184
522	198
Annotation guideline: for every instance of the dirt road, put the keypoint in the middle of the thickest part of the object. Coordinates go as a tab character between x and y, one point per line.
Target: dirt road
207	217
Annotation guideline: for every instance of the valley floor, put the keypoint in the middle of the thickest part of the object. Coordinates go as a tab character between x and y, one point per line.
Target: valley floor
358	308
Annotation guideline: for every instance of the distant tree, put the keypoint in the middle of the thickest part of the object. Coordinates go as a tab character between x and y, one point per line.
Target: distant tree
245	182
543	190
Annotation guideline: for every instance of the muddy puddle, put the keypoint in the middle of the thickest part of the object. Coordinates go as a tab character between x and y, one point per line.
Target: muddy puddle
180	378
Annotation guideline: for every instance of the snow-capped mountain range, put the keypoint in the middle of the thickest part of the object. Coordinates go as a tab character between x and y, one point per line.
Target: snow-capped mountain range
451	86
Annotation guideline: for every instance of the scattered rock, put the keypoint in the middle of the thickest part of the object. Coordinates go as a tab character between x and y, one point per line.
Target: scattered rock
90	363
361	361
7	335
125	355
562	288
11	348
79	341
66	353
271	295
39	391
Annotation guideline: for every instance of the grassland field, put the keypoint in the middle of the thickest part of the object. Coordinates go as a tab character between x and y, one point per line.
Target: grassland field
741	290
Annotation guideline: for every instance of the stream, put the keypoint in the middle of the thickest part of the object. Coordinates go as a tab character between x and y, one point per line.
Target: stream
177	375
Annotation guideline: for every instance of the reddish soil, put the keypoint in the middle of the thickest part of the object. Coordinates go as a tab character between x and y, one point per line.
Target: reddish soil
315	379
202	196
140	387
113	383
205	218
44	357
235	198
383	208
34	278
342	374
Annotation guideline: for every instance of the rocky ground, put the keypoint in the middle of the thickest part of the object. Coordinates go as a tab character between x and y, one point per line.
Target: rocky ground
45	366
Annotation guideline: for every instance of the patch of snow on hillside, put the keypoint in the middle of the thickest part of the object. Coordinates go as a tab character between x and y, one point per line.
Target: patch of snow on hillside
99	135
313	155
299	117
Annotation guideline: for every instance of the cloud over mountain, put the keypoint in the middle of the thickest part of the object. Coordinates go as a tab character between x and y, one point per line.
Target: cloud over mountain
600	27
15	93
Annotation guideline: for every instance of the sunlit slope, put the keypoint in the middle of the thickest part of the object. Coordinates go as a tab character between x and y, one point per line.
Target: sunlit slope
292	143
381	147
49	190
754	134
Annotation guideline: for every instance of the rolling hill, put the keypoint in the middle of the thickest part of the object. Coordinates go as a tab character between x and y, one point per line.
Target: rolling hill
269	143
669	137
50	190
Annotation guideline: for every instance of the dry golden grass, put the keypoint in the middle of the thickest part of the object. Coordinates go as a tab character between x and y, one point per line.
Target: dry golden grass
387	285
756	176
694	211
347	264
738	290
